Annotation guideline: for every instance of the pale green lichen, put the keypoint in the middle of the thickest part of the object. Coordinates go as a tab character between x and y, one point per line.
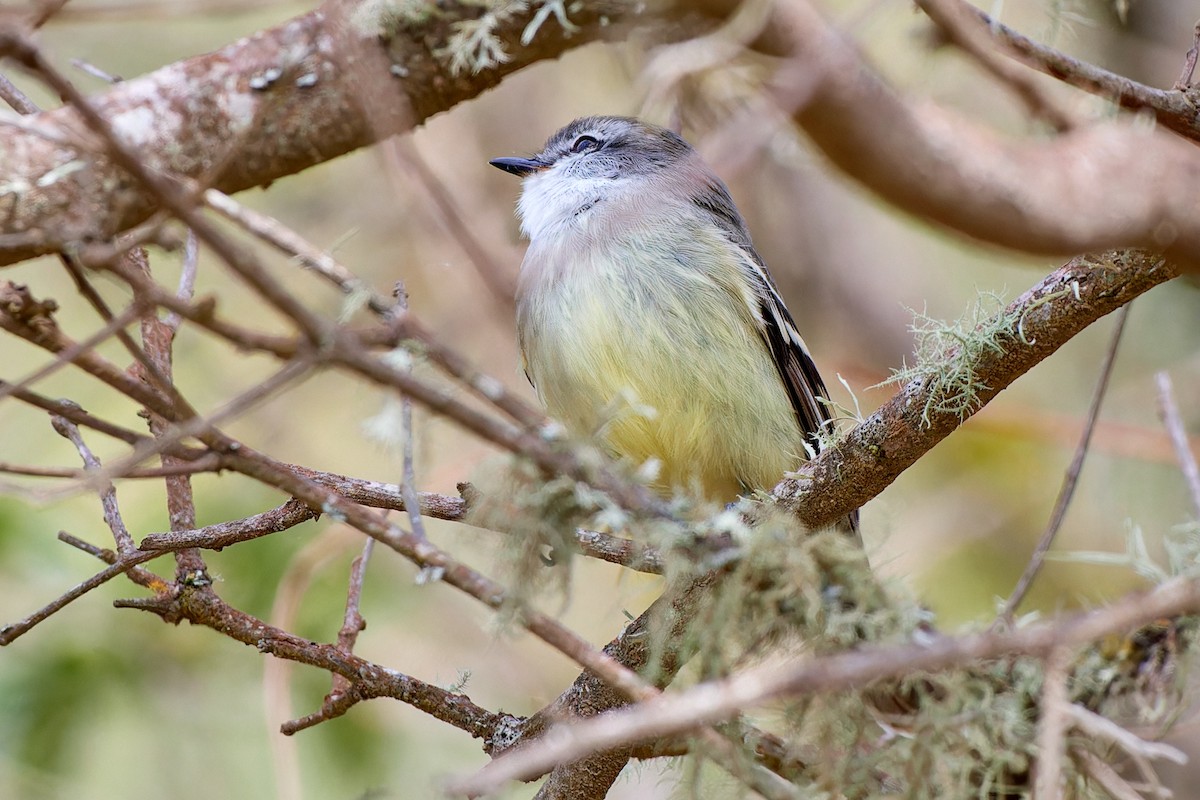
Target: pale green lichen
947	356
546	8
473	45
1181	546
386	18
841	418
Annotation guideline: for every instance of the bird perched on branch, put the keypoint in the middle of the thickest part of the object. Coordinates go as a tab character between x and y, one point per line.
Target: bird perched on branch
646	318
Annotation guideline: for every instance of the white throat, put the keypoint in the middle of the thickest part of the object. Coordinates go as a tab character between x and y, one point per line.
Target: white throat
555	204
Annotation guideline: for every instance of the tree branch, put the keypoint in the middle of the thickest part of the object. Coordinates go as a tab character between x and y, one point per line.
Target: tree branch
1073	193
716	701
268	106
873	454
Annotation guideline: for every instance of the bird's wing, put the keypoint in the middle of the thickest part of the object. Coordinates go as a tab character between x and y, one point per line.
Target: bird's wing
796	367
776	326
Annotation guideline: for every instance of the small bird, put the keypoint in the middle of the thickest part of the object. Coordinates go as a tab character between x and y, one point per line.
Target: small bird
647	320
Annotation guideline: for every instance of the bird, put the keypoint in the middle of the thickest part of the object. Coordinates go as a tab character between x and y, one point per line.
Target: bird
647	320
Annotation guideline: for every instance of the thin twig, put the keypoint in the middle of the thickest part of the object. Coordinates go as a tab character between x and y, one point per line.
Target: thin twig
353	622
408	485
500	284
273	232
96	72
223	534
187	278
967	32
85	288
1052	727
139	575
1071	479
108	493
1168	409
299	574
68	354
208	463
1108	778
198	426
158	341
10	633
1093	724
33	321
199	604
1189	62
16	99
375	494
1171	108
68	409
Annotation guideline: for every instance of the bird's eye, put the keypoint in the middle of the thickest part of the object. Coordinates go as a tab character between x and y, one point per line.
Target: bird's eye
585	143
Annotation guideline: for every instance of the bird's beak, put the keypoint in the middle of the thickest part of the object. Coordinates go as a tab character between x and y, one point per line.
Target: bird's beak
519	166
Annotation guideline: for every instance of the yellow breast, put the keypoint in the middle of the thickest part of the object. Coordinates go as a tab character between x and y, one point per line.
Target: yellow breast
651	345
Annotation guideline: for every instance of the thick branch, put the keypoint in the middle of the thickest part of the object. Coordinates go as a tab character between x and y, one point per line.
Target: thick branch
874	453
1103	186
265	107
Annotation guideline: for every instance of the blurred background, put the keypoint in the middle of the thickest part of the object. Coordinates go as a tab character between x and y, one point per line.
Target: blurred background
108	703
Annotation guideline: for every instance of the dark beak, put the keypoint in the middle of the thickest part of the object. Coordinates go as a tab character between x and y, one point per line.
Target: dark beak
518	166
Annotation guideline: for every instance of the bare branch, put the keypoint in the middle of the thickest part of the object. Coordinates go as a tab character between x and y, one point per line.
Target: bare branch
1189	62
268	106
594	544
197	603
139	575
1172	109
10	633
353	622
1069	194
108	494
71	411
408	484
69	352
223	534
1093	724
1107	777
1071	479
1052	727
344	693
966	31
1169	411
868	458
208	463
285	239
